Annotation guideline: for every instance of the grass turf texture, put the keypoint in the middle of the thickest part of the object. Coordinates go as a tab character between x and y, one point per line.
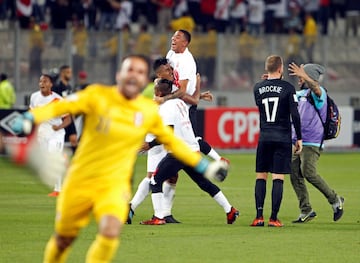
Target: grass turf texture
26	220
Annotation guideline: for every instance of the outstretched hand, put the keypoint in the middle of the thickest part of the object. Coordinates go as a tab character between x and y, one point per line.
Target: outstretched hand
296	70
207	96
22	124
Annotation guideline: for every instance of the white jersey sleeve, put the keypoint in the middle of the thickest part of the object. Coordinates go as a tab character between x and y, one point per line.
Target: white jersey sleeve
175	113
184	67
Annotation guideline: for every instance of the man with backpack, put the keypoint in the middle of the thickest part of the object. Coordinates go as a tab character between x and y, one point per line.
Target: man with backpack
313	109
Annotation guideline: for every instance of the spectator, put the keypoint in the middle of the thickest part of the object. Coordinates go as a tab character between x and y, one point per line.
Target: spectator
82	81
293	51
269	19
352	16
194	10
7	92
293	22
3	13
124	12
38	10
79	47
89	10
37	45
184	22
256	16
113	52
247	46
209	50
310	35
324	14
207	8
164	13
144	12
23	12
107	13
143	43
238	16
60	15
304	165
312	7
222	15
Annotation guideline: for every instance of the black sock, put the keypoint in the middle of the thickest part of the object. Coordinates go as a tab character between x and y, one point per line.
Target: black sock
277	194
260	192
205	148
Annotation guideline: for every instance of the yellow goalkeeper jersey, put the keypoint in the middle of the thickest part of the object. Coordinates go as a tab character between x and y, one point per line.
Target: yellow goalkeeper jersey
114	129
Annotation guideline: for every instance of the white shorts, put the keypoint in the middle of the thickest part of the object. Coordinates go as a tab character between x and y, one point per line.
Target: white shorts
54	143
154	156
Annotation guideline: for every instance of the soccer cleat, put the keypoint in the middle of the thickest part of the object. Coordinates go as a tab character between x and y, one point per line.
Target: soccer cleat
338	208
171	220
54	194
153	221
275	223
303	218
232	215
258	222
130	216
225	160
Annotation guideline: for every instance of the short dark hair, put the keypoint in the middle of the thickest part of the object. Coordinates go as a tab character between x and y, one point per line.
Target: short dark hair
164	86
3	76
63	67
49	77
186	34
159	62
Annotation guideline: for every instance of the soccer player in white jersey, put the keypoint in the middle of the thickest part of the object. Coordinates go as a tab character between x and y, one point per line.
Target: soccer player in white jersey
184	67
50	134
175	114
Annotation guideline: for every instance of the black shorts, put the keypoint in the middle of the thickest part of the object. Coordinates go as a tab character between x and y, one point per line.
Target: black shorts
193	118
273	157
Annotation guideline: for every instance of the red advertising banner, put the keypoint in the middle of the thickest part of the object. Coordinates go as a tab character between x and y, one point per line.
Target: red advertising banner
231	127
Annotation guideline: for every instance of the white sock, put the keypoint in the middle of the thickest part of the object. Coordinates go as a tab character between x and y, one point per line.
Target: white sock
58	183
157	200
222	200
214	155
169	193
141	192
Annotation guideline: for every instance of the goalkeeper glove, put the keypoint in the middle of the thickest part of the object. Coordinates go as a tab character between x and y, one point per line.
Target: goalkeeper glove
23	123
215	170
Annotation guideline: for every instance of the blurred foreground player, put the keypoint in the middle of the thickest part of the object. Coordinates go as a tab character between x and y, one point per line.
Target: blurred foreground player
117	119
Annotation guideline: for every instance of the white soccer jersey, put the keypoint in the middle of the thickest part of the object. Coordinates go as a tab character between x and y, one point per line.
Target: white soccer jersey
176	113
49	138
184	67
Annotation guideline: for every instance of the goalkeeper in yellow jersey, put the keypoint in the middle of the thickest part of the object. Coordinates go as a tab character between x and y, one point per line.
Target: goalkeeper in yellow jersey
98	180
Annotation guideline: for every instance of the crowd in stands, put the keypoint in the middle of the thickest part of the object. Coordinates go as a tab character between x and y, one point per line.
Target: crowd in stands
257	16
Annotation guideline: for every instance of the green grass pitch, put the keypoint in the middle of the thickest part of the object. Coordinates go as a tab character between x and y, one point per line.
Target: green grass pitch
27	215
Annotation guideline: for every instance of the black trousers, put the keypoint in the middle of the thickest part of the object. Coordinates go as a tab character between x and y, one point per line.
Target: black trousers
169	166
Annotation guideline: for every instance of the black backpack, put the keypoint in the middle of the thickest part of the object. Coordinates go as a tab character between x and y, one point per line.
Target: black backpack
332	123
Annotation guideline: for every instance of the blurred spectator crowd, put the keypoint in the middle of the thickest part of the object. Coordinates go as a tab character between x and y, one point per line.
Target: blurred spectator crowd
233	16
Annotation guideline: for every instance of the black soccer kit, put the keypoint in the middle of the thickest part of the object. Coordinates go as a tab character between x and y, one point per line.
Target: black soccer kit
277	102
